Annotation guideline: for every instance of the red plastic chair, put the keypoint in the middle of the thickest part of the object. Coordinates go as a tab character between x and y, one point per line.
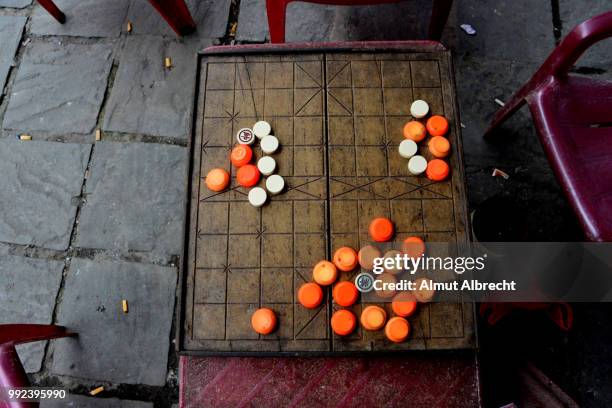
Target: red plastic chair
12	374
573	118
277	10
175	12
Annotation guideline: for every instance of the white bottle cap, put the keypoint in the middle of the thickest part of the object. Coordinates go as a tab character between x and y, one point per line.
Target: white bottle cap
262	128
245	136
269	144
257	196
408	148
419	109
275	184
266	165
417	165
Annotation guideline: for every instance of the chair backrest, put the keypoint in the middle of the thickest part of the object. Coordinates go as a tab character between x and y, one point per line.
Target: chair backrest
583	36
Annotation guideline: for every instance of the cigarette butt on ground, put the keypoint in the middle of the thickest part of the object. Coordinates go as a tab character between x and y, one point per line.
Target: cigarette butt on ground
124	306
98	134
25	137
129	26
96	391
499	102
168	62
498	172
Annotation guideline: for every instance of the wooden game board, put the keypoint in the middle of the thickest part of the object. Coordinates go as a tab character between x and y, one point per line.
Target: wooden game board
338	117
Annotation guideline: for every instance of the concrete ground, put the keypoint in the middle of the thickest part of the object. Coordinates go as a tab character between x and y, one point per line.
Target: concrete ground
86	223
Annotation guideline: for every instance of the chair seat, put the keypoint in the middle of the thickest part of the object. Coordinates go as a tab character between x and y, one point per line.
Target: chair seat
574	121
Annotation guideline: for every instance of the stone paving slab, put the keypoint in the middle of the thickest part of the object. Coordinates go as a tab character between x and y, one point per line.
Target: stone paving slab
600	55
11	29
146	97
114	346
59	87
518	30
315	22
15	3
210	16
28	288
79	401
85	18
39	181
135	199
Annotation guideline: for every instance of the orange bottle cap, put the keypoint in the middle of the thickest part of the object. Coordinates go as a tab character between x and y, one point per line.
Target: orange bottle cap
373	318
424	292
325	273
414	130
381	229
385	278
397	329
217	179
404	304
437	170
414	247
345	293
345	259
248	175
439	146
366	256
310	295
263	321
343	322
437	125
241	155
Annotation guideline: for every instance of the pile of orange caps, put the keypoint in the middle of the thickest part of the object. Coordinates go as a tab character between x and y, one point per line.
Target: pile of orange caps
346	294
436	169
248	174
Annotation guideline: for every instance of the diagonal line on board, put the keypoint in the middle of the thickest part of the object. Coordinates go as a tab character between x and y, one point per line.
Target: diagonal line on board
246	67
434	192
337	73
340	103
306	103
306	72
234	189
360	187
308	194
310	320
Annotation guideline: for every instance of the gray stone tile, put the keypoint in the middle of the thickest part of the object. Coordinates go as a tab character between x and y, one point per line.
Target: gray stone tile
28	288
38	183
79	401
315	22
15	3
146	97
135	198
114	346
210	16
599	56
59	87
11	29
85	18
505	33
